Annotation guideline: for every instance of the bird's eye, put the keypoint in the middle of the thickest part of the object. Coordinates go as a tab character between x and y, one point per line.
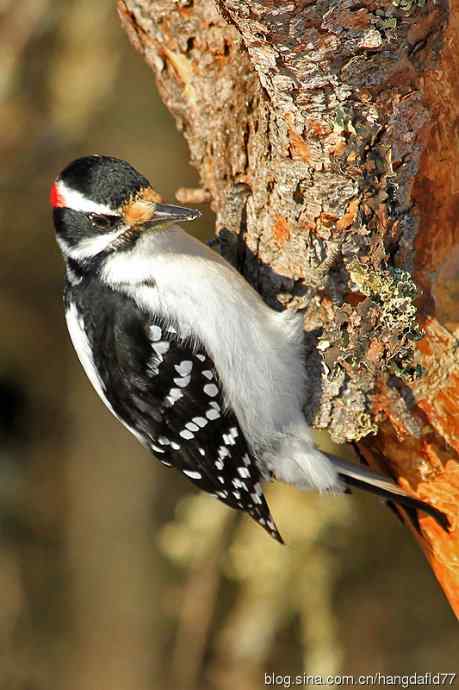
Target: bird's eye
102	222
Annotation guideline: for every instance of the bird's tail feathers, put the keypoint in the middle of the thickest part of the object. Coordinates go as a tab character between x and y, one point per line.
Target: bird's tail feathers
363	478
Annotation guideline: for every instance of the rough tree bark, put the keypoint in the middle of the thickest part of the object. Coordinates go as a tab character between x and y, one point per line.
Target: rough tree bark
325	134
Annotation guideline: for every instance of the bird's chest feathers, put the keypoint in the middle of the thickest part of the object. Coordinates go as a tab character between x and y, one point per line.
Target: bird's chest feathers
193	288
249	343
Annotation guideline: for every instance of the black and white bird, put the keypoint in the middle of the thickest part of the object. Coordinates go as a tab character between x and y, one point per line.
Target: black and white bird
183	351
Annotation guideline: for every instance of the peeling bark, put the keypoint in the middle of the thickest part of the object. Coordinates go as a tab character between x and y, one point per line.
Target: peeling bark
325	134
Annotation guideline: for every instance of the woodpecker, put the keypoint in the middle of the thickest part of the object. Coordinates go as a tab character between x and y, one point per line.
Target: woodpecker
183	351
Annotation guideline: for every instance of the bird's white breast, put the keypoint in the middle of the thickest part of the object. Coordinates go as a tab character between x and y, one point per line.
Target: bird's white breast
254	348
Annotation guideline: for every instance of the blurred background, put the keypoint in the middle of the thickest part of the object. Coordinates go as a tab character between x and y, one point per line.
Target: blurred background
114	572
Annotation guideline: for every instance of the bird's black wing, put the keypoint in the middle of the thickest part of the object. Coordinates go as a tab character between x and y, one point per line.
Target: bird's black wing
165	388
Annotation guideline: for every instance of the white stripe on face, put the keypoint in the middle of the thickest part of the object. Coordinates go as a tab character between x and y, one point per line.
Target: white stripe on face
70	198
91	246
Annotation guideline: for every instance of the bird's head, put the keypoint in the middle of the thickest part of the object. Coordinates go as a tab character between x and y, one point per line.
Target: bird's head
102	204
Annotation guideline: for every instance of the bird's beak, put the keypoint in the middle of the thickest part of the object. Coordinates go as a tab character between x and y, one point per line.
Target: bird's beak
143	213
167	213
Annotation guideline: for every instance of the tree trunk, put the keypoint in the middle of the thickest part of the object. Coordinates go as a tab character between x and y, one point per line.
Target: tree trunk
325	134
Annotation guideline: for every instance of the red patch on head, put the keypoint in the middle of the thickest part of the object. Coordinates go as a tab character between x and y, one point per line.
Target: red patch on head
55	198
